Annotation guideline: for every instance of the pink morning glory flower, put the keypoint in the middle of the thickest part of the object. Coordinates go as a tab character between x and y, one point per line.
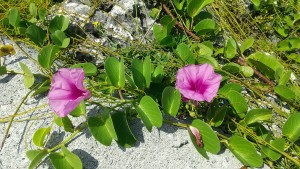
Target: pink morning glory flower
197	135
198	82
67	91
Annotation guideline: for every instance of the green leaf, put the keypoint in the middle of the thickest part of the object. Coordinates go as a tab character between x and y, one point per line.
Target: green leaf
39	136
272	154
60	39
291	128
33	9
115	71
216	115
125	137
289	44
206	49
245	151
154	13
284	77
67	124
265	63
232	68
14	17
237	101
149	112
284	92
208	59
256	115
71	158
141	72
247	71
59	161
230	49
246	44
147	70
195	6
36	34
230	86
102	128
281	30
35	156
294	56
185	54
205	26
201	150
210	139
44	87
27	76
59	23
171	100
3	70
158	74
47	55
79	110
179	4
42	14
159	32
89	68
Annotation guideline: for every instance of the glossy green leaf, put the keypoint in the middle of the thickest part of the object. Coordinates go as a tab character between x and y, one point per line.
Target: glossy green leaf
171	100
115	71
284	92
230	49
47	55
256	115
284	77
281	30
39	136
230	86
60	39
246	44
3	70
141	72
44	87
147	70
36	34
89	68
232	68
185	54
265	63
273	154
35	156
102	128
289	44
158	74
59	23
33	9
208	59
161	32
294	56
27	76
237	101
206	48
79	110
245	151
154	13
14	17
211	142
247	71
125	137
205	26
195	6
291	128
67	124
149	112
72	158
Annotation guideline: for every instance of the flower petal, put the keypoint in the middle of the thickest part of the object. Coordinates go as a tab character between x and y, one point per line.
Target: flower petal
197	135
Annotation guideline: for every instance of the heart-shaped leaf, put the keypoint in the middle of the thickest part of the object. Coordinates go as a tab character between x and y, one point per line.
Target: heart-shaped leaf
141	72
47	55
115	71
59	23
36	34
60	39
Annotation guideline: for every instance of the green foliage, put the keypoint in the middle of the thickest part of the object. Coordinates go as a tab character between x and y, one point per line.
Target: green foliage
291	128
65	159
102	128
60	39
272	154
185	54
246	44
14	17
195	6
230	49
35	156
39	136
284	92
205	26
27	76
171	100
59	23
141	72
149	113
79	110
257	115
36	34
216	114
89	68
3	70
115	71
47	55
245	151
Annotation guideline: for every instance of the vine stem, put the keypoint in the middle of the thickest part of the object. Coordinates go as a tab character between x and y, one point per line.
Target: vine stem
12	118
78	130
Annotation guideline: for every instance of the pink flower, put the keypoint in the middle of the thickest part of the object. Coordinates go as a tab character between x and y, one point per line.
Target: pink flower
198	82
197	135
67	91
